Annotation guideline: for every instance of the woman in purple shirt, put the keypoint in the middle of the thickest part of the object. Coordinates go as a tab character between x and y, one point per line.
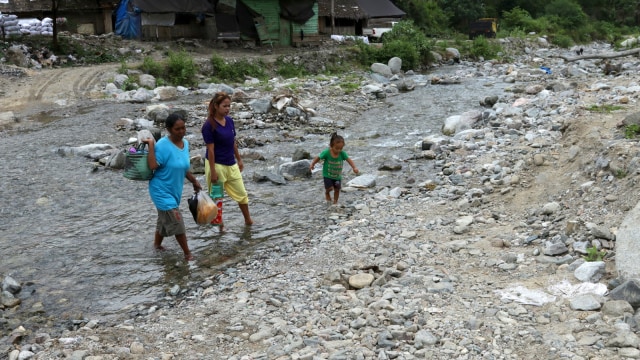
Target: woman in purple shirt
224	164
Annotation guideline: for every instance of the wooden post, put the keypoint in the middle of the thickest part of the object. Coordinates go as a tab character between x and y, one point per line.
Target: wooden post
333	18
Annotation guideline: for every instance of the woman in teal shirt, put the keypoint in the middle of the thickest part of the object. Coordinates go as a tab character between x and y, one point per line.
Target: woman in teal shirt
169	159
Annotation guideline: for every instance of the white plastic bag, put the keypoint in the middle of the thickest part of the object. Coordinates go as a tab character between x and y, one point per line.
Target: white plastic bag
207	209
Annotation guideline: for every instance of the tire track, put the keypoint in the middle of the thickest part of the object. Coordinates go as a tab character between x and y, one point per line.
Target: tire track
39	91
84	81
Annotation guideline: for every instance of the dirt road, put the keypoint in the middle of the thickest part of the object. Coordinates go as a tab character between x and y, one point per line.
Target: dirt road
39	90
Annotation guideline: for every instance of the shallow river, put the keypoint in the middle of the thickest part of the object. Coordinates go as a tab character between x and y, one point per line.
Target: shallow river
79	237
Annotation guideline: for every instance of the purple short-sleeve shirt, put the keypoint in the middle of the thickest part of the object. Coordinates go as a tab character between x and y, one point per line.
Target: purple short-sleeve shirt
223	138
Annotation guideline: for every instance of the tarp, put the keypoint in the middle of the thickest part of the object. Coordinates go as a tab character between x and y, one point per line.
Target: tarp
173	6
298	11
245	16
127	21
164	19
380	8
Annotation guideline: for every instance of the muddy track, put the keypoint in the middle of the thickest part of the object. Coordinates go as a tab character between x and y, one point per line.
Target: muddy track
42	88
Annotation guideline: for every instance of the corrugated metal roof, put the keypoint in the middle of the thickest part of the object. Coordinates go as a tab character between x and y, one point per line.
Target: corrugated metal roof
346	9
380	8
20	6
360	9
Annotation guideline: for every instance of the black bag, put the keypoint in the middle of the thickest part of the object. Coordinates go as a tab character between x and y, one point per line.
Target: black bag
193	206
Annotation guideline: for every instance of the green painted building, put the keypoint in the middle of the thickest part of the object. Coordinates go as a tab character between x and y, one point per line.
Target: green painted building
283	22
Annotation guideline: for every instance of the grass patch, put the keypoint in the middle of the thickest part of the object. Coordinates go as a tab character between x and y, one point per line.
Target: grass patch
631	131
181	68
349	87
124	68
238	70
594	255
290	70
604	108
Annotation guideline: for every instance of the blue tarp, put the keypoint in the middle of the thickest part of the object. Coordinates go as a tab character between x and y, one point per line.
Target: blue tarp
128	21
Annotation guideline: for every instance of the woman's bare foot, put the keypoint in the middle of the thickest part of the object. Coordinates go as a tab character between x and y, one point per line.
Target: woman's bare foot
160	248
188	257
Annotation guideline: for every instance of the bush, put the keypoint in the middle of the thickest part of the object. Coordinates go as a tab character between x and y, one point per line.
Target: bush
481	47
181	69
562	40
237	70
406	31
124	68
152	67
402	49
290	70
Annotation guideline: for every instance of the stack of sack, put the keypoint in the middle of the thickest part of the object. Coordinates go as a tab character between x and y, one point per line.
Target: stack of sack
10	25
36	27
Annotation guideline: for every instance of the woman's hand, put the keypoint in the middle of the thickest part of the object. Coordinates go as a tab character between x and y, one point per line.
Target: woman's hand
213	177
196	186
240	164
149	140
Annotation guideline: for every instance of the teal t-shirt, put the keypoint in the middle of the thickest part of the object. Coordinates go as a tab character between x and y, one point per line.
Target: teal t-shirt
165	187
332	166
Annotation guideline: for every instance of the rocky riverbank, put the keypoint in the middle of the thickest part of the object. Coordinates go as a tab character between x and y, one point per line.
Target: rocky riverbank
479	256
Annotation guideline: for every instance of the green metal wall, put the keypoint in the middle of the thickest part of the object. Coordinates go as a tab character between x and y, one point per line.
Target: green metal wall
310	27
281	30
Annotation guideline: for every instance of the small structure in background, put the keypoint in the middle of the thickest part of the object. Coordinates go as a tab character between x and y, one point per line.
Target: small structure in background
487	27
354	17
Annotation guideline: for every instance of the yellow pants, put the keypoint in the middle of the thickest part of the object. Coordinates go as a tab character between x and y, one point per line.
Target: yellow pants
230	179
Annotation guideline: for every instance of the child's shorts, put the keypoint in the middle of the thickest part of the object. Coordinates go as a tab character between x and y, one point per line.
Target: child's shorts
332	183
170	223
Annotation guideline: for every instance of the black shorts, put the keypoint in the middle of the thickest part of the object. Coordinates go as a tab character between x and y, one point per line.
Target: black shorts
332	183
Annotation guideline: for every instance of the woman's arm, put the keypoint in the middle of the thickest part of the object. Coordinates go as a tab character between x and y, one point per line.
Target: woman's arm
237	154
211	158
151	158
192	179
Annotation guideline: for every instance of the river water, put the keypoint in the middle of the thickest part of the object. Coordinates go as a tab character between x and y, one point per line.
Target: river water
79	237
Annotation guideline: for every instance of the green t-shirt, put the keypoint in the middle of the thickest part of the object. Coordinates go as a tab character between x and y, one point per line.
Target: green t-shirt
332	166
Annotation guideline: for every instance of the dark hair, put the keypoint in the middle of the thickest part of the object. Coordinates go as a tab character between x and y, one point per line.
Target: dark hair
172	120
218	98
335	138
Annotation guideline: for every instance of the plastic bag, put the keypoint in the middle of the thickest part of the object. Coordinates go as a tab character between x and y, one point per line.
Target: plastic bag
217	195
207	209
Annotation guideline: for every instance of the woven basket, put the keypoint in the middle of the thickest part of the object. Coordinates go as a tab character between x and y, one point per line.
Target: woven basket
136	166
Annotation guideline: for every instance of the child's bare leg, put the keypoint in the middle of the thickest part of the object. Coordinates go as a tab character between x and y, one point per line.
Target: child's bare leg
336	195
157	241
327	194
182	241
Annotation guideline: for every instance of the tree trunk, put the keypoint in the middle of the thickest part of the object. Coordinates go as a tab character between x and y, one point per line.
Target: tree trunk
54	14
601	56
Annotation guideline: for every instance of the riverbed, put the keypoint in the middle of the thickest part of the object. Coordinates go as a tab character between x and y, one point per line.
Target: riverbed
79	235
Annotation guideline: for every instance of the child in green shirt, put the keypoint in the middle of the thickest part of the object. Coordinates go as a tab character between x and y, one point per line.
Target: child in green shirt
333	158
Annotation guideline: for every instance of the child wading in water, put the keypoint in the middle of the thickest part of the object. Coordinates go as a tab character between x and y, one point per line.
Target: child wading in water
333	158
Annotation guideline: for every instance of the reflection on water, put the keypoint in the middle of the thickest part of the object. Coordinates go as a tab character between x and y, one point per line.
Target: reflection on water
83	234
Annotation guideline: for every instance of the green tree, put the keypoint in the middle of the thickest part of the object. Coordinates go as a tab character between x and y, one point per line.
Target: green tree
533	7
462	12
566	13
426	15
